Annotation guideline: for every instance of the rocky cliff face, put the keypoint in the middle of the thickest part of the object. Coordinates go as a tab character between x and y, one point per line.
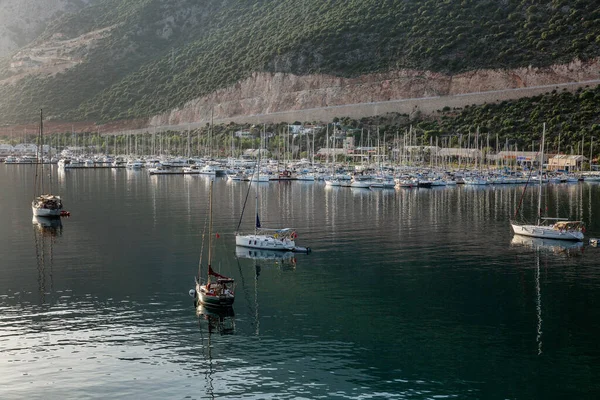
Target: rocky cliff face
284	97
54	55
265	93
21	21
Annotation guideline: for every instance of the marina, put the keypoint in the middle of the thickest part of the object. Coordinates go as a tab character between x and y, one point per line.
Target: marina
299	200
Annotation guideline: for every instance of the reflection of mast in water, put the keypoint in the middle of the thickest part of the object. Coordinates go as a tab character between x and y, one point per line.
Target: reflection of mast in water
283	260
45	232
538	301
221	321
209	370
246	295
256	319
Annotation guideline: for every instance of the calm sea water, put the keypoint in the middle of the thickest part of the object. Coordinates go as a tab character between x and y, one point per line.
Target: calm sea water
407	293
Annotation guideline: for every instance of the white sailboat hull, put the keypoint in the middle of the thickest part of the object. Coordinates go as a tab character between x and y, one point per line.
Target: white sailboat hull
261	178
47	205
546	232
45	212
361	184
265	242
388	184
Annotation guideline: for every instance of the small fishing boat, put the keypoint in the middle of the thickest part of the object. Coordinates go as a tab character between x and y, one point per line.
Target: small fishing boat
333	182
134	164
285	175
193	169
162	170
361	181
258	178
218	291
383	183
238	176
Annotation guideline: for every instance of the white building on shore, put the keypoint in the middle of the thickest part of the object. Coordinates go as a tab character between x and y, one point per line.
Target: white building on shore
566	162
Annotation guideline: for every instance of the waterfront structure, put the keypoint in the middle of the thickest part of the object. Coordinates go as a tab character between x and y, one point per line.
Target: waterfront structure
566	162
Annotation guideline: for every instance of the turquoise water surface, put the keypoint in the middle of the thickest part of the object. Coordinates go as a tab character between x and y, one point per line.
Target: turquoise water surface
408	293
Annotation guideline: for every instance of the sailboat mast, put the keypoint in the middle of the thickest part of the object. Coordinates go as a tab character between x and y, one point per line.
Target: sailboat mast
41	150
257	183
540	173
210	224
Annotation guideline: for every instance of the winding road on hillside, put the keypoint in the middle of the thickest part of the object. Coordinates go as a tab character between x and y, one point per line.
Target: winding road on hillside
424	105
410	106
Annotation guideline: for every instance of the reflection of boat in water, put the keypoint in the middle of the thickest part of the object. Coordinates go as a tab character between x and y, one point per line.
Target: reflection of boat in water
220	320
537	245
48	226
45	231
257	269
265	255
550	245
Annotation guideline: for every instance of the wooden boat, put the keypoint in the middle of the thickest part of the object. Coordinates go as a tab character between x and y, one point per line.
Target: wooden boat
218	291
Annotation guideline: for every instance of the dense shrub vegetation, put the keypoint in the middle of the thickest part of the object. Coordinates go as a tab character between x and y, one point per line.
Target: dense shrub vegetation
570	118
571	122
163	53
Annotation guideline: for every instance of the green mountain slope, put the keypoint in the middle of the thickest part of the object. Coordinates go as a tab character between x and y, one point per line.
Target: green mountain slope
162	53
570	118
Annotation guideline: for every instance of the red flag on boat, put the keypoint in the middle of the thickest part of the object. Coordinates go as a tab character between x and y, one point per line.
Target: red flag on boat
218	236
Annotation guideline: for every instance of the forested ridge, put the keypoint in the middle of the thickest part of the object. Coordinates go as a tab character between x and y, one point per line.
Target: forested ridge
571	119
